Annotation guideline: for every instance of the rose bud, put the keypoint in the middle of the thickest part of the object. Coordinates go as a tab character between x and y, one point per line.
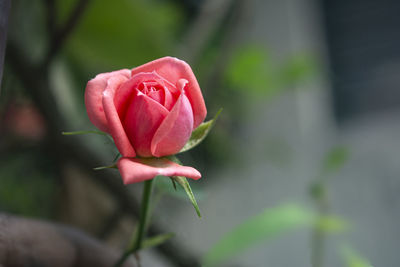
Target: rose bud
150	112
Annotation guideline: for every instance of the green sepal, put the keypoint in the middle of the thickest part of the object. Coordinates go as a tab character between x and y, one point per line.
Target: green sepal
186	186
156	240
113	166
173	183
200	133
117	157
84	132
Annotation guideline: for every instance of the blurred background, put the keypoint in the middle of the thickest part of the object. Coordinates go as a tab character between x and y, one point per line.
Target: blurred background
303	158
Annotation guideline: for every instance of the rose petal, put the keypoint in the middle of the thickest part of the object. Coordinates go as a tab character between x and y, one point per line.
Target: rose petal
175	130
168	99
113	121
94	95
173	69
142	119
157	96
125	93
134	170
181	84
123	97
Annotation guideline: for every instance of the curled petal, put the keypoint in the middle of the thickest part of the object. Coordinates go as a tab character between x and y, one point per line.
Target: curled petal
168	99
181	84
175	130
125	93
113	121
173	69
142	119
134	170
157	96
152	76
94	95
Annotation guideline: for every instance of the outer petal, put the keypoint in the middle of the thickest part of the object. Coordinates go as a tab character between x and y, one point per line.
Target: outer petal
142	119
116	129
134	170
174	69
94	95
175	130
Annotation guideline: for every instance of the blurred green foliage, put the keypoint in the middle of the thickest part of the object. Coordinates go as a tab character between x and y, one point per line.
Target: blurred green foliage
253	71
263	227
335	159
332	224
270	224
352	258
27	185
123	34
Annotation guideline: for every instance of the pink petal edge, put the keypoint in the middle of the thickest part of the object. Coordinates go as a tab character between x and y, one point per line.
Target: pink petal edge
114	123
134	170
173	69
94	95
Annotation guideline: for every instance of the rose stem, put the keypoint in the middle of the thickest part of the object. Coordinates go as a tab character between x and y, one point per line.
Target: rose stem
144	210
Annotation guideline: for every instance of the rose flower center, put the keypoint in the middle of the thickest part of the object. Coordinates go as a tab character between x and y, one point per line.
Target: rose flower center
153	90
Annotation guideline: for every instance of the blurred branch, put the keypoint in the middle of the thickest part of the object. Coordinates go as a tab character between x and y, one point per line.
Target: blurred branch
4	11
210	17
63	246
51	15
35	80
227	42
59	37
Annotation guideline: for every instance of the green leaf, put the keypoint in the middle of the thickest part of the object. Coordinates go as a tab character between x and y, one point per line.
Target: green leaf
200	133
186	186
253	70
84	132
352	259
157	240
113	166
335	159
297	69
264	226
332	224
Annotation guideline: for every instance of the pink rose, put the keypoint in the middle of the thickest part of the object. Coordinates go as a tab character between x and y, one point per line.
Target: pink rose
150	111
